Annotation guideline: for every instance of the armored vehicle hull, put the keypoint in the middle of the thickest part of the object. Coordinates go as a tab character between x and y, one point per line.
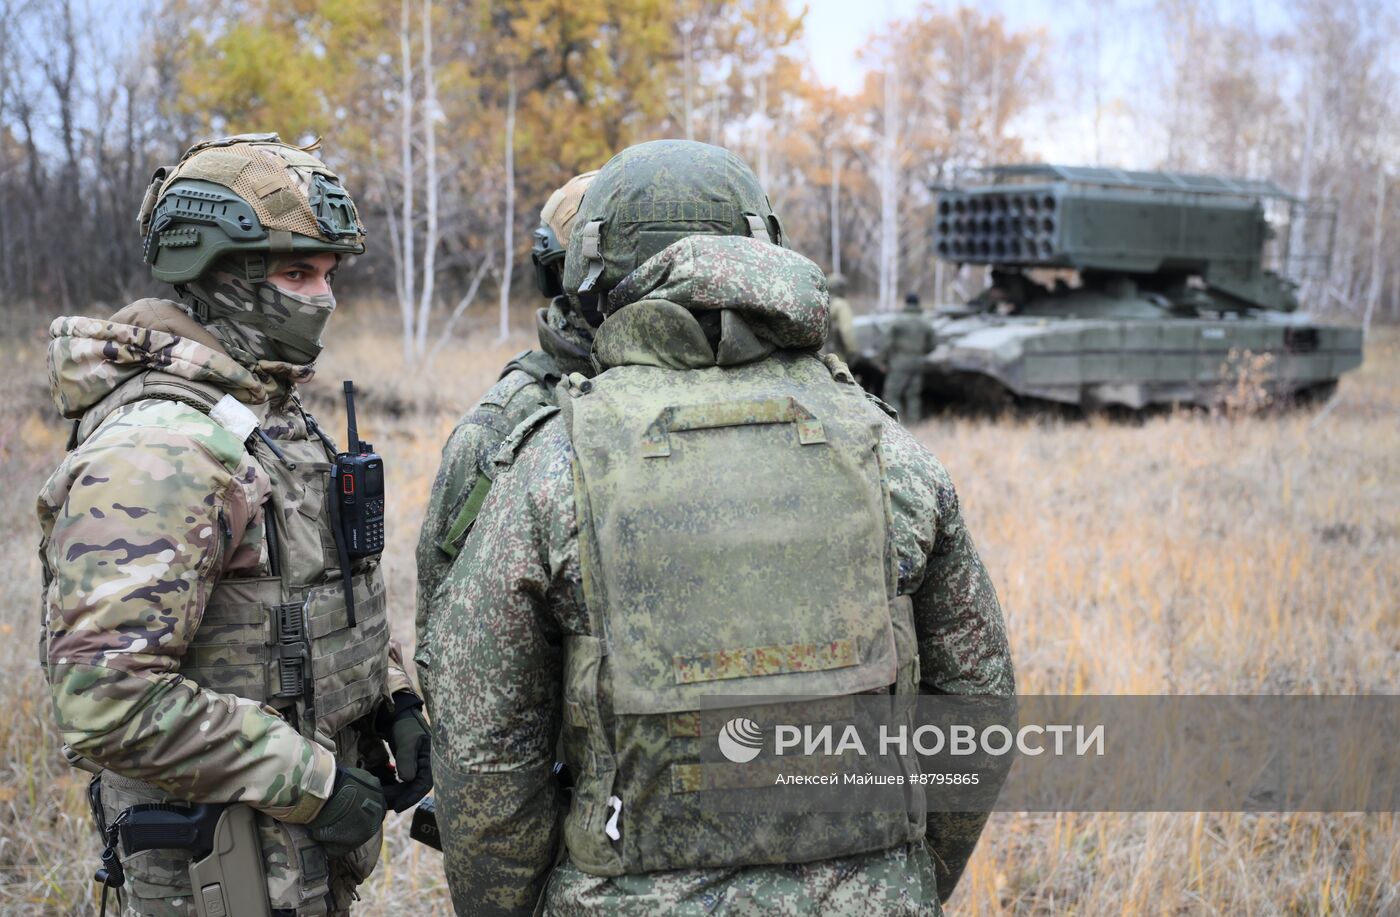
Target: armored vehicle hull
1133	289
1132	363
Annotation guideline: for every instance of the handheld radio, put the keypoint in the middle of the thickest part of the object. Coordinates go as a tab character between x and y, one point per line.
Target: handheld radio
357	500
359	487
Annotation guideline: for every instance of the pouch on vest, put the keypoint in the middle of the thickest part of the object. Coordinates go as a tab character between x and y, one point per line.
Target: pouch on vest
734	542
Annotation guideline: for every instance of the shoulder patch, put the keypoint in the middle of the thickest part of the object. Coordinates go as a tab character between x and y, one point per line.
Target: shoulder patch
505	455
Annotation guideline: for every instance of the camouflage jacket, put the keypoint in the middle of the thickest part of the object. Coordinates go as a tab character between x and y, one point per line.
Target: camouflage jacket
139	522
911	336
464	477
515	593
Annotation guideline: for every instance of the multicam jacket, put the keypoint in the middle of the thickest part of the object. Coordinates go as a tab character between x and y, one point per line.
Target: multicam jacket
158	544
514	604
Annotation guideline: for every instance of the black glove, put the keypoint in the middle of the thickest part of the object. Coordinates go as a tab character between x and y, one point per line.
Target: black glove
402	725
352	815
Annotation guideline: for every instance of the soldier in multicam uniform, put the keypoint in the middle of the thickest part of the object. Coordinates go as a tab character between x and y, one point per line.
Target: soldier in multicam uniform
525	386
197	640
705	516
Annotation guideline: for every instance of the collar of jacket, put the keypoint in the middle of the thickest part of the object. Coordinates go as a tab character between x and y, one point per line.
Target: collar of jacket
714	301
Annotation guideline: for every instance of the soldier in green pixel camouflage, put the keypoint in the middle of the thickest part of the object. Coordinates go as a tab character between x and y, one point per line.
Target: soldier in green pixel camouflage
718	512
196	635
525	386
910	339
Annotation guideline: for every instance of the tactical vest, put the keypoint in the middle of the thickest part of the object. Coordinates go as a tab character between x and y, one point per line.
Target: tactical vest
279	637
734	538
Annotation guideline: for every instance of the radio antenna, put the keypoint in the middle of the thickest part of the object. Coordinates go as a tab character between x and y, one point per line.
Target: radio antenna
352	431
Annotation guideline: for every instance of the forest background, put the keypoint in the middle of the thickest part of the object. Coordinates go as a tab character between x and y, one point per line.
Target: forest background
452	120
1188	552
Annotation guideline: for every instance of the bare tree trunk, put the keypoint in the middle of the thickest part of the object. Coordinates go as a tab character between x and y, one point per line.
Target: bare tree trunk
407	267
508	250
430	236
1297	231
1373	297
716	130
463	304
765	129
889	190
688	88
835	210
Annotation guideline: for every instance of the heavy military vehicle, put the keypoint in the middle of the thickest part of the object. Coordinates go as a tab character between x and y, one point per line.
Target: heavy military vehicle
1116	288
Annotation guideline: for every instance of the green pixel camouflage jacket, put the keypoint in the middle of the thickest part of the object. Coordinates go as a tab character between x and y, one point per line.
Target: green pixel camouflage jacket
464	477
514	596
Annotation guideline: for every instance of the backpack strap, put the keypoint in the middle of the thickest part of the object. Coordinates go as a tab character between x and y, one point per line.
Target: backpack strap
504	455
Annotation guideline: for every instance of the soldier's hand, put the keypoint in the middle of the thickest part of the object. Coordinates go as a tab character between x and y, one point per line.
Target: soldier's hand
410	740
353	813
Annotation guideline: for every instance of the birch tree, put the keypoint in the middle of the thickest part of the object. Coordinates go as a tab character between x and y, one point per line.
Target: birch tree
508	241
430	232
888	282
406	263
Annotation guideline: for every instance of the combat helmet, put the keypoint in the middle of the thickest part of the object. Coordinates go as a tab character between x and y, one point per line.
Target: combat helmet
651	195
551	240
249	195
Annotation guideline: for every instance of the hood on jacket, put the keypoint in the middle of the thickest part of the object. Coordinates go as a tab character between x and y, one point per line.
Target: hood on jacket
90	357
714	301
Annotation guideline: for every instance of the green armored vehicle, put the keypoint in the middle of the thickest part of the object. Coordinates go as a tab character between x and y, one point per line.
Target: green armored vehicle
1120	288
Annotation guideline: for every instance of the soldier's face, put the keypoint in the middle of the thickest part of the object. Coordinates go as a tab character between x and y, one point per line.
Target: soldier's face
307	275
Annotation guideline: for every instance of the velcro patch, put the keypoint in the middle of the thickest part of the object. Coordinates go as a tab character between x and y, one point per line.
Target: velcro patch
695	724
281	202
698	777
215	165
675	212
721	665
234	416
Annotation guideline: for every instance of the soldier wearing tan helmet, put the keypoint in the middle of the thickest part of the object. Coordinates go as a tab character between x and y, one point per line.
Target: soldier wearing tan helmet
526	385
199	641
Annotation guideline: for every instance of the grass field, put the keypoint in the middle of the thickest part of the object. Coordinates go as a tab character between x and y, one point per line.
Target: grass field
1186	554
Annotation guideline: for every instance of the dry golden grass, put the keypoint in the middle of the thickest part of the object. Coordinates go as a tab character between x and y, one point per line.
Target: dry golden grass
1187	554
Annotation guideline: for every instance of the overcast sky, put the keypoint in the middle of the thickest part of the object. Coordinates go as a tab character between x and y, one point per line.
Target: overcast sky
836	29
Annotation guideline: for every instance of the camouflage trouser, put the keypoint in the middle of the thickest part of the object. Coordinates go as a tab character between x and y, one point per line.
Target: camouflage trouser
301	880
904	389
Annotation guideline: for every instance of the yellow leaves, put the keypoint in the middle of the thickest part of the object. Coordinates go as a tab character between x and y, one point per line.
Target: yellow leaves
288	68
